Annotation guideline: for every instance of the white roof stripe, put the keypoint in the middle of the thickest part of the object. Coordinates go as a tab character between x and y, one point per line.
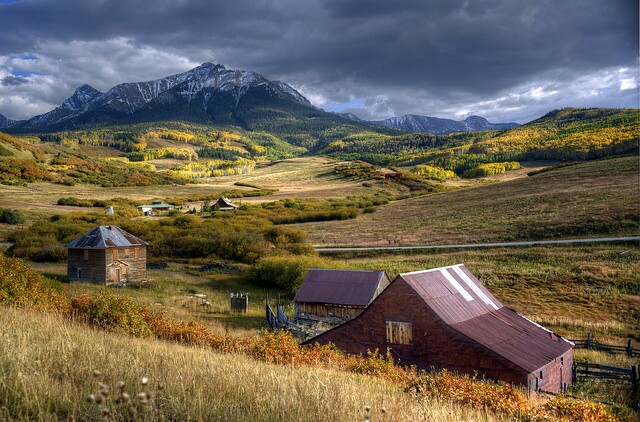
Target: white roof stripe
474	287
431	270
465	294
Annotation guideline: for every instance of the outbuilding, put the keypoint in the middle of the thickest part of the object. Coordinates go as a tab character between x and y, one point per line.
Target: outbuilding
446	318
224	204
155	206
332	297
107	255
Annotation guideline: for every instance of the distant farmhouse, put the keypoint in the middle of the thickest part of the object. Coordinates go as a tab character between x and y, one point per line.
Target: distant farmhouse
157	206
446	318
330	297
224	204
107	255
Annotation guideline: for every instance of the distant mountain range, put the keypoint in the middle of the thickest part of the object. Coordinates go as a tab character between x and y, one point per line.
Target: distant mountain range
211	93
207	93
435	125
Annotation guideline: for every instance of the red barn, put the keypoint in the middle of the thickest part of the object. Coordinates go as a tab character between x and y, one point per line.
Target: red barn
446	318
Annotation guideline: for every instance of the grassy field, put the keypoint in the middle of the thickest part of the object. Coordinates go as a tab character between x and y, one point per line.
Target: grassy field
591	198
48	364
172	291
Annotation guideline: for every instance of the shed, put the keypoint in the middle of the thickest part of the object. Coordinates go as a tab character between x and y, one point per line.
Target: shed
446	318
336	296
157	205
107	255
224	204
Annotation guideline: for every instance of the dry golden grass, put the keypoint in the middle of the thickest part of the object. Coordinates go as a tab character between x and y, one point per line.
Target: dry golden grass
47	366
599	197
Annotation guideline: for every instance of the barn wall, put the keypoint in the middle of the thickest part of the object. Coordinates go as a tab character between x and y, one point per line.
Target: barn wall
322	310
554	375
93	269
435	344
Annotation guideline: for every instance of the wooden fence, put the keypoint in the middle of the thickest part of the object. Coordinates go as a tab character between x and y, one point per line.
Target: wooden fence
591	344
606	372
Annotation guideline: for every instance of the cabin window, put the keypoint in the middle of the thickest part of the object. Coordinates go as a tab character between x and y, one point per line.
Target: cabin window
124	270
136	253
86	254
79	272
115	254
399	332
126	252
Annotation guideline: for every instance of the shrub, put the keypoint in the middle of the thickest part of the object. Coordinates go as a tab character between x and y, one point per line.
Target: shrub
25	287
8	216
286	273
112	312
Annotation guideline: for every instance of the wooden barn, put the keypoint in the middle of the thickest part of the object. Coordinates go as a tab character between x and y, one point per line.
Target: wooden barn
107	255
224	204
335	296
445	318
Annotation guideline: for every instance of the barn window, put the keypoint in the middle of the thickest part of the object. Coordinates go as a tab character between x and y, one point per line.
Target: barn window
86	254
126	252
79	272
136	253
399	332
115	254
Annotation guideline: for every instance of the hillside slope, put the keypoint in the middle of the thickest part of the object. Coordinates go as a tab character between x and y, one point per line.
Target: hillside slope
592	198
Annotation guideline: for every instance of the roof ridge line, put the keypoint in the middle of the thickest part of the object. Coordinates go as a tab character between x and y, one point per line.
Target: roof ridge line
432	269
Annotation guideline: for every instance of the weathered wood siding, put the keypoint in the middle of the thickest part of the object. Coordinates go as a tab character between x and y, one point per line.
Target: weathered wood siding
92	269
100	264
555	376
327	310
132	268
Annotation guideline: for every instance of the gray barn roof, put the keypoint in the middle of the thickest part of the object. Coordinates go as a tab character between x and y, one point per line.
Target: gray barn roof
103	237
339	287
462	302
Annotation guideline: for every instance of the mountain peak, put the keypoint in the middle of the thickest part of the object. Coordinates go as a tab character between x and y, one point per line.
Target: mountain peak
437	126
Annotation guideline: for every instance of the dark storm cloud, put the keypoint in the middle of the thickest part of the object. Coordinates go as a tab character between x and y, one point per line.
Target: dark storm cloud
13	80
413	56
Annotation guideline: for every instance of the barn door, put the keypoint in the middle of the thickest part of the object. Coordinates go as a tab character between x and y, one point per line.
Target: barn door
118	275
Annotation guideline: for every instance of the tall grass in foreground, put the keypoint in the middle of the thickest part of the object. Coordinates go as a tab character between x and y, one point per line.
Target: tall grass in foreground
47	365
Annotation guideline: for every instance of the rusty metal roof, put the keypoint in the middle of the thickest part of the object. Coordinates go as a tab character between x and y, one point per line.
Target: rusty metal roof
339	287
515	338
103	237
462	302
452	292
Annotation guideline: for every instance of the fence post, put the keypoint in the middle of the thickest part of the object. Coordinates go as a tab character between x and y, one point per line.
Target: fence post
574	372
630	348
588	341
635	376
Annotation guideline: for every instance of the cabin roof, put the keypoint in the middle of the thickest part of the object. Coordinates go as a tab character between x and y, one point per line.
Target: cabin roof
463	303
339	287
103	237
223	201
157	203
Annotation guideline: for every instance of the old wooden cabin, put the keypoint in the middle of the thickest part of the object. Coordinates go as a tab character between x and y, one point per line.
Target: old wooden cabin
107	255
331	297
446	318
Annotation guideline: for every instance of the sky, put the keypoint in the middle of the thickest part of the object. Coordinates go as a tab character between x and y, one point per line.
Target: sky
505	60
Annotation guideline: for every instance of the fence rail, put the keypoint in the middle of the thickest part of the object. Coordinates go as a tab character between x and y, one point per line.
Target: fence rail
590	344
606	372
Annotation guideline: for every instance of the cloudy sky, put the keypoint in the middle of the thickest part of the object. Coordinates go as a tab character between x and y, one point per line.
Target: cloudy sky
506	60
